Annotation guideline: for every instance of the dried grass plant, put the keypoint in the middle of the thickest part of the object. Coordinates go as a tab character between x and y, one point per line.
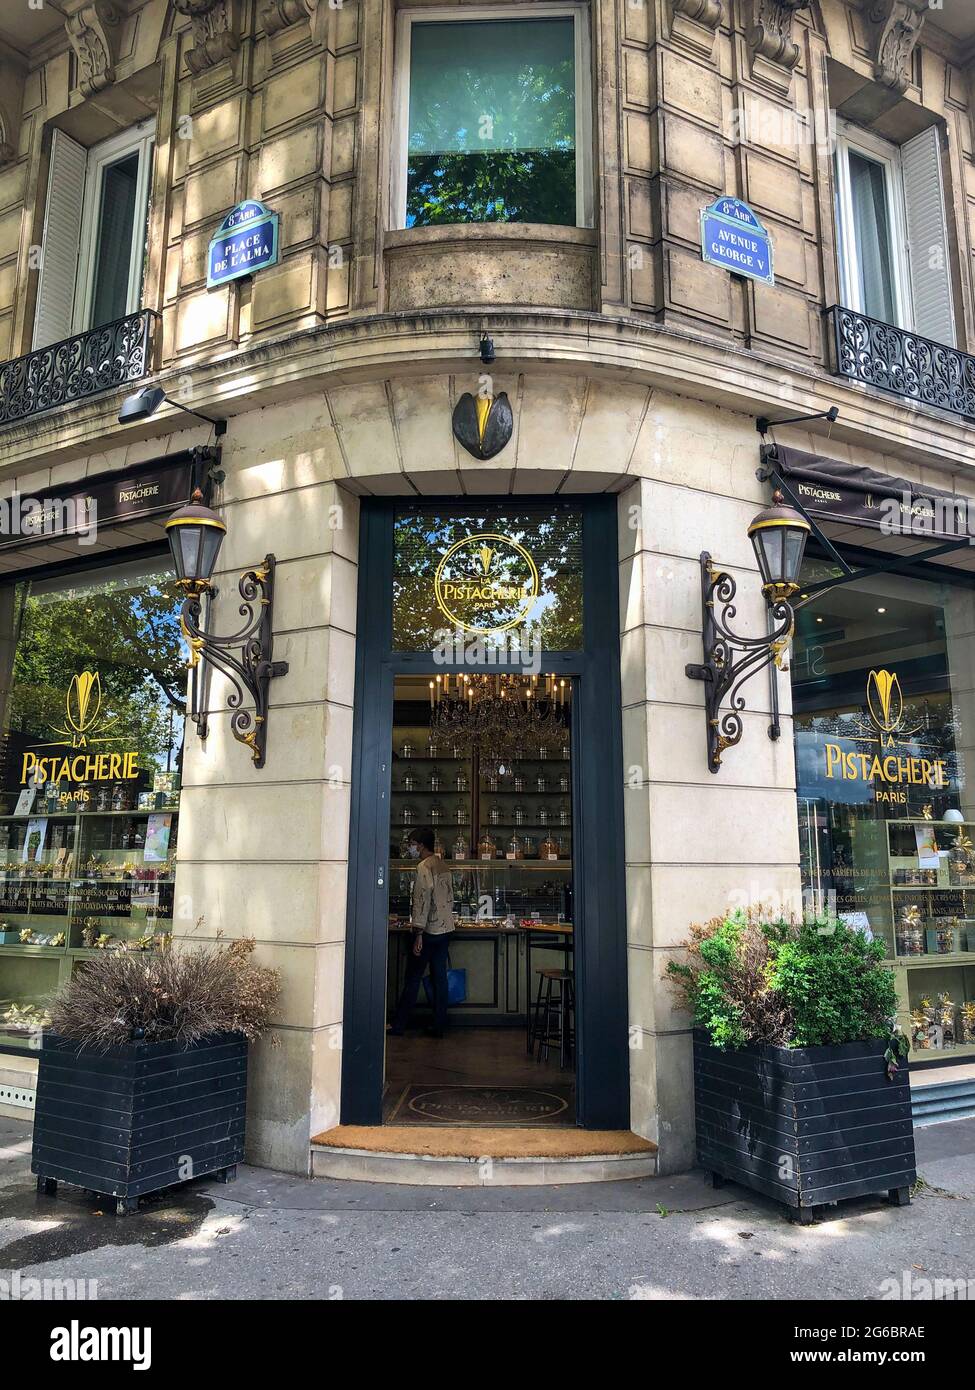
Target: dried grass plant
181	996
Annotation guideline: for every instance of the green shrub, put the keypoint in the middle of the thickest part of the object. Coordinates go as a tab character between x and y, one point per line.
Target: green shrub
785	983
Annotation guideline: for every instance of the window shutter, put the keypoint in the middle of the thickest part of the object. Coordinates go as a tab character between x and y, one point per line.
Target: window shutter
927	236
62	237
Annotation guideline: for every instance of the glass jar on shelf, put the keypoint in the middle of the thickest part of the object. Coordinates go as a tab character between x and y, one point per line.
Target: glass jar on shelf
542	753
459	849
542	815
460	781
409	815
521	815
909	931
433	748
408	783
541	783
486	846
491	782
436	815
406	749
436	780
514	849
460	815
438	846
494	814
565	752
519	781
531	851
548	849
565	815
564	782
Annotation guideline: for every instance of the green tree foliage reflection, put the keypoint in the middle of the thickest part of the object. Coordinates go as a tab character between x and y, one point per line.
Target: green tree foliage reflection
130	635
492	124
554	541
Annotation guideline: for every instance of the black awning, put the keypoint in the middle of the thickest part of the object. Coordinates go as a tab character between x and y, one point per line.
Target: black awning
830	490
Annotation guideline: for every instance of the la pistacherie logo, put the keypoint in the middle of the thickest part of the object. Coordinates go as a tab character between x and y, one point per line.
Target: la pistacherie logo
886	704
83	707
486	583
889	772
85	723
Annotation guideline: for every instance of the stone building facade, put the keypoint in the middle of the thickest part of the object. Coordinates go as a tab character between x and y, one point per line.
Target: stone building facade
632	366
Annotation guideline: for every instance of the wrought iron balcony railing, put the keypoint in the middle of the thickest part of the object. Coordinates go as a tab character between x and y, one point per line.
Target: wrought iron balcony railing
77	367
903	363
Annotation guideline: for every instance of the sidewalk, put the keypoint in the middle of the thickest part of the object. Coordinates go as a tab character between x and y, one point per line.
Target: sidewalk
273	1237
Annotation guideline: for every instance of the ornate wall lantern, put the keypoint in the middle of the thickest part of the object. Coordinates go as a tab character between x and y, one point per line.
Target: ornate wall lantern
778	535
195	535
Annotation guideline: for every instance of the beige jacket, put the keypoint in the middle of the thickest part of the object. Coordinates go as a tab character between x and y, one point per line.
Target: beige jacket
433	897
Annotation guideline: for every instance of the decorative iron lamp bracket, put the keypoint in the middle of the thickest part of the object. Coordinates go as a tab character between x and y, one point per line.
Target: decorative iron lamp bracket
731	660
778	535
244	657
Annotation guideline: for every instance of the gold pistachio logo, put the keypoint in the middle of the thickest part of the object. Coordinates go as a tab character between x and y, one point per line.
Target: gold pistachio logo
486	583
886	704
85	723
891	773
83	706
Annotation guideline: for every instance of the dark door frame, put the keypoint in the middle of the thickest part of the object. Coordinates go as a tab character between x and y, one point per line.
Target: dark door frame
602	1067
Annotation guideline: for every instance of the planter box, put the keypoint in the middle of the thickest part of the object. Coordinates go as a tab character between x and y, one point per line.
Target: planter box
805	1125
139	1117
9	938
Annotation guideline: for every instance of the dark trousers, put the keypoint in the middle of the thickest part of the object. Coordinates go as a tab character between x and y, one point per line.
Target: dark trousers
434	955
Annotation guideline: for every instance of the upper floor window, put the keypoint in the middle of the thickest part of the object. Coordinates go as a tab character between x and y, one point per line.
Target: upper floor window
493	117
94	240
893	240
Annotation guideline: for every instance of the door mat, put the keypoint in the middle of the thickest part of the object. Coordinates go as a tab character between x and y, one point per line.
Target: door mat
484	1105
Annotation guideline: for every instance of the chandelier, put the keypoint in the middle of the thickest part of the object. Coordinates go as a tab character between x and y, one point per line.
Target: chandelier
501	718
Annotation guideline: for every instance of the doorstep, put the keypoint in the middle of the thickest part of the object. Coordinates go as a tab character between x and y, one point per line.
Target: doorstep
934	1076
455	1156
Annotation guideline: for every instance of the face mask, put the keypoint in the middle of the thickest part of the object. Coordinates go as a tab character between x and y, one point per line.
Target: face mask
413	851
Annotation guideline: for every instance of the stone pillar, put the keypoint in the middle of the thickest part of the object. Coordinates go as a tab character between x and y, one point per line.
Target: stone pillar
264	853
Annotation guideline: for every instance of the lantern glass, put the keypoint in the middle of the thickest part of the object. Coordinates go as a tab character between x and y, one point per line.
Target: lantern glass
195	535
778	537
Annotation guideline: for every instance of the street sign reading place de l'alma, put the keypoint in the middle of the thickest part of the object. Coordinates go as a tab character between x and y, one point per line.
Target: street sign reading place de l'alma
247	241
733	238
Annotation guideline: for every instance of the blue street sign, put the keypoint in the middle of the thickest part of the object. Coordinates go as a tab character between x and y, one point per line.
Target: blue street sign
246	242
733	238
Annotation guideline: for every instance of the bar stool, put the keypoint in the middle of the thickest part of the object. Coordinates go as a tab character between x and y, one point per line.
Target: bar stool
554	1014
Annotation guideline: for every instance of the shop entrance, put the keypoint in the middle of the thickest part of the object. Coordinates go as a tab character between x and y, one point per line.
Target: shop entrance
482	775
488	713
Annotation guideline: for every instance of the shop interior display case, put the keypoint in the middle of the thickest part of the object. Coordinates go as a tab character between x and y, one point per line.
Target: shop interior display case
506	833
73	883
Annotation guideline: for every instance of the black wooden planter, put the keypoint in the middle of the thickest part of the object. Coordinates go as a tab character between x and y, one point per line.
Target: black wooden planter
806	1126
139	1117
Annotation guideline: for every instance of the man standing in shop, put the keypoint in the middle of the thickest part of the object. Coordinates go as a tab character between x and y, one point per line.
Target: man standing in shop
433	923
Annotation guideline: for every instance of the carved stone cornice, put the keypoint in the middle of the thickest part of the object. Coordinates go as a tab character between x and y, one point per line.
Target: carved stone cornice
693	24
216	31
895	26
93	34
276	15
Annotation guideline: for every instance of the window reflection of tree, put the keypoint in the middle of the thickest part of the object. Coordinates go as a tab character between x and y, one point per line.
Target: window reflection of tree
130	635
554	543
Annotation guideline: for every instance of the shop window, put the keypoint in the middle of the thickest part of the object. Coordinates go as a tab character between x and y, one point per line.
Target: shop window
92	701
893	241
94	233
489	576
493	117
884	707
